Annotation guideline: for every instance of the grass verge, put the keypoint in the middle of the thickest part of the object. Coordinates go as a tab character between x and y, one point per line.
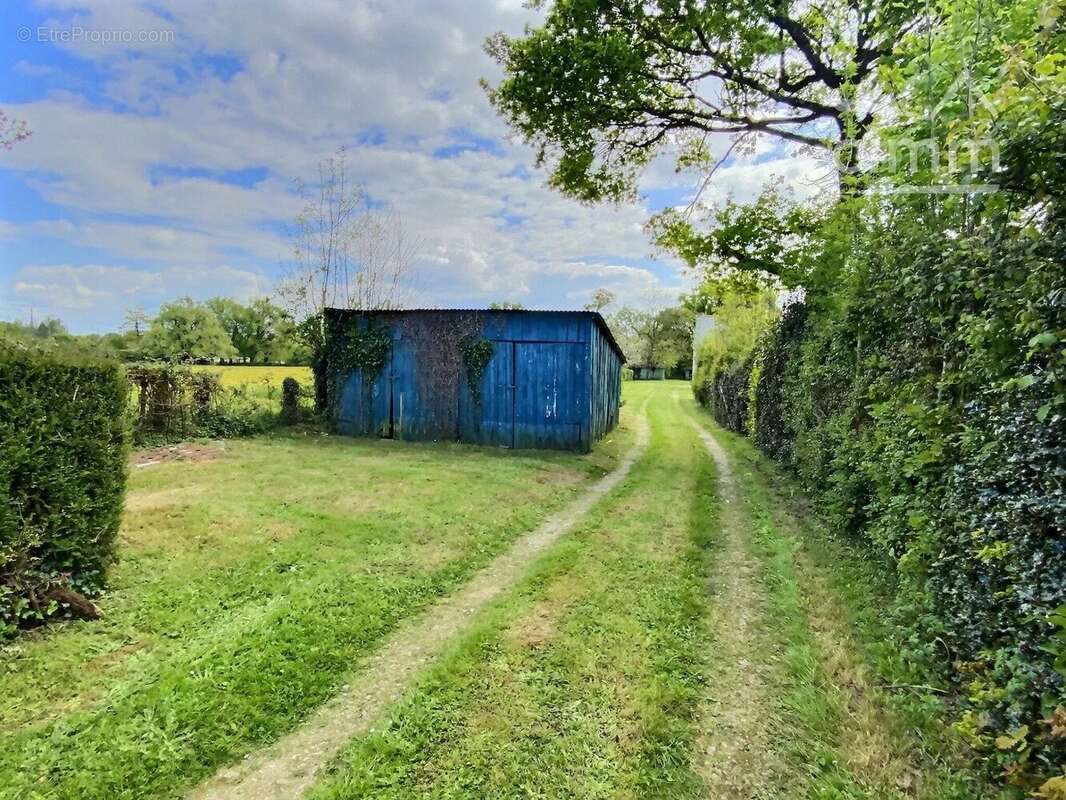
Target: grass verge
851	737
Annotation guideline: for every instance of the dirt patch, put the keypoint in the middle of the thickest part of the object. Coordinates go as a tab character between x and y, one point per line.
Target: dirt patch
561	477
292	765
176	452
536	629
105	661
735	752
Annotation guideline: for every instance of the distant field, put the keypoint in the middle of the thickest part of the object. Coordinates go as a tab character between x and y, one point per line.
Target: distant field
243	376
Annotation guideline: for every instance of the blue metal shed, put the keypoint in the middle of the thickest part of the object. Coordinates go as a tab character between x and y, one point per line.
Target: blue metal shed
553	379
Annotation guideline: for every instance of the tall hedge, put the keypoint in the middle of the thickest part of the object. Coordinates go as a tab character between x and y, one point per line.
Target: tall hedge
63	464
920	395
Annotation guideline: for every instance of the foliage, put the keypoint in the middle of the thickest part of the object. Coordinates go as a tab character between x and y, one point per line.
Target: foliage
358	344
600	88
661	338
340	344
727	355
772	429
63	446
174	403
290	401
505	305
186	331
259	331
476	353
765	242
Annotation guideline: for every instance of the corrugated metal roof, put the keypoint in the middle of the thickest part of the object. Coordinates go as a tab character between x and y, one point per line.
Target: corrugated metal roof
596	315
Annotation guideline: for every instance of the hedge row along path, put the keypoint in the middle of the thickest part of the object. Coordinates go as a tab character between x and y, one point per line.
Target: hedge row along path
289	768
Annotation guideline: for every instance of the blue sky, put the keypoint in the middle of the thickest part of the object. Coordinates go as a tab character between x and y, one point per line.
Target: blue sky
167	137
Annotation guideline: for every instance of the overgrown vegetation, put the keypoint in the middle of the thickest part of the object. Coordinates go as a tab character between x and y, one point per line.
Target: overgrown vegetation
184	331
476	353
63	446
174	403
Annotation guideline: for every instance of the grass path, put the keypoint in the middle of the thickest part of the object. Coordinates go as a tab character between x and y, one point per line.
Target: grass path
735	752
293	764
584	680
834	730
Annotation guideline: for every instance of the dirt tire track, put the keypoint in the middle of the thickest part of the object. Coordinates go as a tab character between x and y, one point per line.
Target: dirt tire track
288	768
735	752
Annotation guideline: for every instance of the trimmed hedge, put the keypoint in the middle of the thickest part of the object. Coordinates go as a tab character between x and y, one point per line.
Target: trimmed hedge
727	395
63	463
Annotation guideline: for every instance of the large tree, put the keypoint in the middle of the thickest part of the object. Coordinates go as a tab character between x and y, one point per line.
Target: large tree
603	85
260	331
661	337
187	331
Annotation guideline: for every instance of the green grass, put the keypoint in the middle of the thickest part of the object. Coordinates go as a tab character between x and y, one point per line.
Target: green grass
249	588
812	706
584	681
253	584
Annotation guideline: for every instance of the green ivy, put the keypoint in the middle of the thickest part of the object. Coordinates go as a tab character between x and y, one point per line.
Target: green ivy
476	353
360	347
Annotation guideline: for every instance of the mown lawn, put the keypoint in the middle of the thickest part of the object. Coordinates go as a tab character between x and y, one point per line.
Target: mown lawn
250	585
585	681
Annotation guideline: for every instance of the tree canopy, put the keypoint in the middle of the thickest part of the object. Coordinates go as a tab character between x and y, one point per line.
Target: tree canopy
186	331
602	86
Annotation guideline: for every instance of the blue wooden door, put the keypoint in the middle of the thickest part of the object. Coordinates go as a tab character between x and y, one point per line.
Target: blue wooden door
490	419
551	395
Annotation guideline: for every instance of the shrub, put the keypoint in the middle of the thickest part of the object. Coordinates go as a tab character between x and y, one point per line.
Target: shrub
773	433
290	401
727	395
169	400
174	403
63	451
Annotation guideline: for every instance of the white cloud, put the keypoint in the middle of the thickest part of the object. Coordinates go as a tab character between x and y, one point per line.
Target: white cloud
311	75
74	292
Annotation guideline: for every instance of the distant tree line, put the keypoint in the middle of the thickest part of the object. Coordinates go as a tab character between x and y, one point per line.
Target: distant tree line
184	331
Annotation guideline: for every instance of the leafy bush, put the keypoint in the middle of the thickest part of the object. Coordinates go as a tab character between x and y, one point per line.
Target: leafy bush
290	401
174	403
777	361
726	394
63	450
920	395
726	357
